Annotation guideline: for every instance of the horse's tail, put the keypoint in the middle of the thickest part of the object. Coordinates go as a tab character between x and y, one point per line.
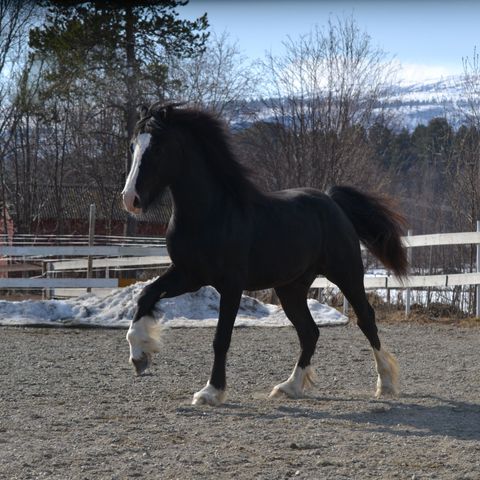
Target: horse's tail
378	225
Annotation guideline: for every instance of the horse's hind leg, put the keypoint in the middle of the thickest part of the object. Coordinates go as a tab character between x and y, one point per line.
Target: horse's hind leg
293	298
352	287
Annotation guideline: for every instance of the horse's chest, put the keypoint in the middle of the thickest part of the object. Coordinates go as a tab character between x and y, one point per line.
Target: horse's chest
207	254
191	251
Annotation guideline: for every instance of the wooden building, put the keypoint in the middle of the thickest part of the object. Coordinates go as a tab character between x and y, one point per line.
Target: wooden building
67	213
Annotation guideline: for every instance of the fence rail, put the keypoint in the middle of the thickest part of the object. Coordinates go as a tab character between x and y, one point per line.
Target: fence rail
135	253
33	283
49	239
80	251
413	281
438	239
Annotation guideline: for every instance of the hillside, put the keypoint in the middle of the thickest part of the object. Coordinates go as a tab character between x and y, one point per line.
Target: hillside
411	104
420	102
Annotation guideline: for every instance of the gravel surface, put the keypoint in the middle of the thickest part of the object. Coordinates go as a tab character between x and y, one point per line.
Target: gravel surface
70	407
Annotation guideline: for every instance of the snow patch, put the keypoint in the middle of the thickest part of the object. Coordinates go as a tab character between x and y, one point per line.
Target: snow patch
198	309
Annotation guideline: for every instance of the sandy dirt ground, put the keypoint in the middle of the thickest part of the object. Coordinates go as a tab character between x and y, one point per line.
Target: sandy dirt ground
71	408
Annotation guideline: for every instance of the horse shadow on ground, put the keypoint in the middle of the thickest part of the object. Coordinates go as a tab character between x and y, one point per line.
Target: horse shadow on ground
412	416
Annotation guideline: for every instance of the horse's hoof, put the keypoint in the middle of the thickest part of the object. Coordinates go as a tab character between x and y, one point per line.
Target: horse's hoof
387	369
141	364
285	390
386	390
209	395
294	387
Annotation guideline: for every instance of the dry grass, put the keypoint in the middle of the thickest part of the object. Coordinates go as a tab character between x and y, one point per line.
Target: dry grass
435	313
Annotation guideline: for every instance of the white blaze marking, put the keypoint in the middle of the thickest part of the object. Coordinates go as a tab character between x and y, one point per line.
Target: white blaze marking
141	144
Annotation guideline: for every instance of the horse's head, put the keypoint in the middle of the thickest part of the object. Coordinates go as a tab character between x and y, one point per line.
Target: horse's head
153	163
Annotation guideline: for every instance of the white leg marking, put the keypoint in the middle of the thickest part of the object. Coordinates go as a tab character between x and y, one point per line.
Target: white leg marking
294	387
209	395
387	369
144	337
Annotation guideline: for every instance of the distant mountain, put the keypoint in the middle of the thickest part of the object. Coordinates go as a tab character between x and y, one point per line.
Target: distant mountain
411	104
418	103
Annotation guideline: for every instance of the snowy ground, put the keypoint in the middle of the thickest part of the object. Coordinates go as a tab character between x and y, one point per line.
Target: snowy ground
117	309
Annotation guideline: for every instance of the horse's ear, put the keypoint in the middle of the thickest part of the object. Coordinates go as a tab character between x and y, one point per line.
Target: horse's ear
167	110
160	114
142	111
164	113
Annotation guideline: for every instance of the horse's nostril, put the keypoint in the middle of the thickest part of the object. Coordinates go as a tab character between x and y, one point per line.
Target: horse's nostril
136	202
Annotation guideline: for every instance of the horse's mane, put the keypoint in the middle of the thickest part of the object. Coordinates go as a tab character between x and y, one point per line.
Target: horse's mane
212	141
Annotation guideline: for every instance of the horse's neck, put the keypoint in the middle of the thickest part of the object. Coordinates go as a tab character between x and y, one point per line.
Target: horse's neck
194	194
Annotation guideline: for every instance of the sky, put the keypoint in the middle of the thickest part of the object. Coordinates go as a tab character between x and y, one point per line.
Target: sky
428	38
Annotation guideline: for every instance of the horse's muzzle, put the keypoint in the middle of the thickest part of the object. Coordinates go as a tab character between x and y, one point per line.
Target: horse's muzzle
131	202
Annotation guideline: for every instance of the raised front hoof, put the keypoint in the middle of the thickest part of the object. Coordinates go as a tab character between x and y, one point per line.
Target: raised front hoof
141	364
209	395
286	390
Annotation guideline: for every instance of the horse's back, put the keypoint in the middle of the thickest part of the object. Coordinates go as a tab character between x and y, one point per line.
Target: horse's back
306	214
294	232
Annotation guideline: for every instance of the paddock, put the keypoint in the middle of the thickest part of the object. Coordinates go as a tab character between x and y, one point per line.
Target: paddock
70	407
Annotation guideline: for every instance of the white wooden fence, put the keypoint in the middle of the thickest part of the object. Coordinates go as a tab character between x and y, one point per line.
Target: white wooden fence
420	281
117	256
138	256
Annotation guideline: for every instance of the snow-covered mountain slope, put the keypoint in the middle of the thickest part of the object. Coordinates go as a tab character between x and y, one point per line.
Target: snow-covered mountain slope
410	104
418	103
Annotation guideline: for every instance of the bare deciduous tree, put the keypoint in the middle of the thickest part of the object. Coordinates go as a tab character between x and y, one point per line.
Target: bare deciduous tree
322	94
16	17
466	169
219	78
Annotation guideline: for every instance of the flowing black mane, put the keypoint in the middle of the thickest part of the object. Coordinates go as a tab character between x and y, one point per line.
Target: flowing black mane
212	141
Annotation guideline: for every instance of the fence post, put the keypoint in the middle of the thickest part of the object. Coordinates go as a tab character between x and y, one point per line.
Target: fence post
477	309
91	241
408	293
46	273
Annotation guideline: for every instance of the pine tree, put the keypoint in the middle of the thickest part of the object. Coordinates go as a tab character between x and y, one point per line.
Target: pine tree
380	138
113	53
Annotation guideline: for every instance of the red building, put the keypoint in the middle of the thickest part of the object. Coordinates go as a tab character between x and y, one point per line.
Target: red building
67	213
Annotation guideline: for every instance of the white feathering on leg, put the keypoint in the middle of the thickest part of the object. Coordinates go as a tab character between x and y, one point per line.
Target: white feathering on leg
294	387
209	395
144	337
388	372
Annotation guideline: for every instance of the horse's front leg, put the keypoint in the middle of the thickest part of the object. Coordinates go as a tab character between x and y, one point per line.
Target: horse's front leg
144	332
214	392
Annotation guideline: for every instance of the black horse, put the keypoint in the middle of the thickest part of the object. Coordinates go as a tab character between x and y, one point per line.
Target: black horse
226	232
